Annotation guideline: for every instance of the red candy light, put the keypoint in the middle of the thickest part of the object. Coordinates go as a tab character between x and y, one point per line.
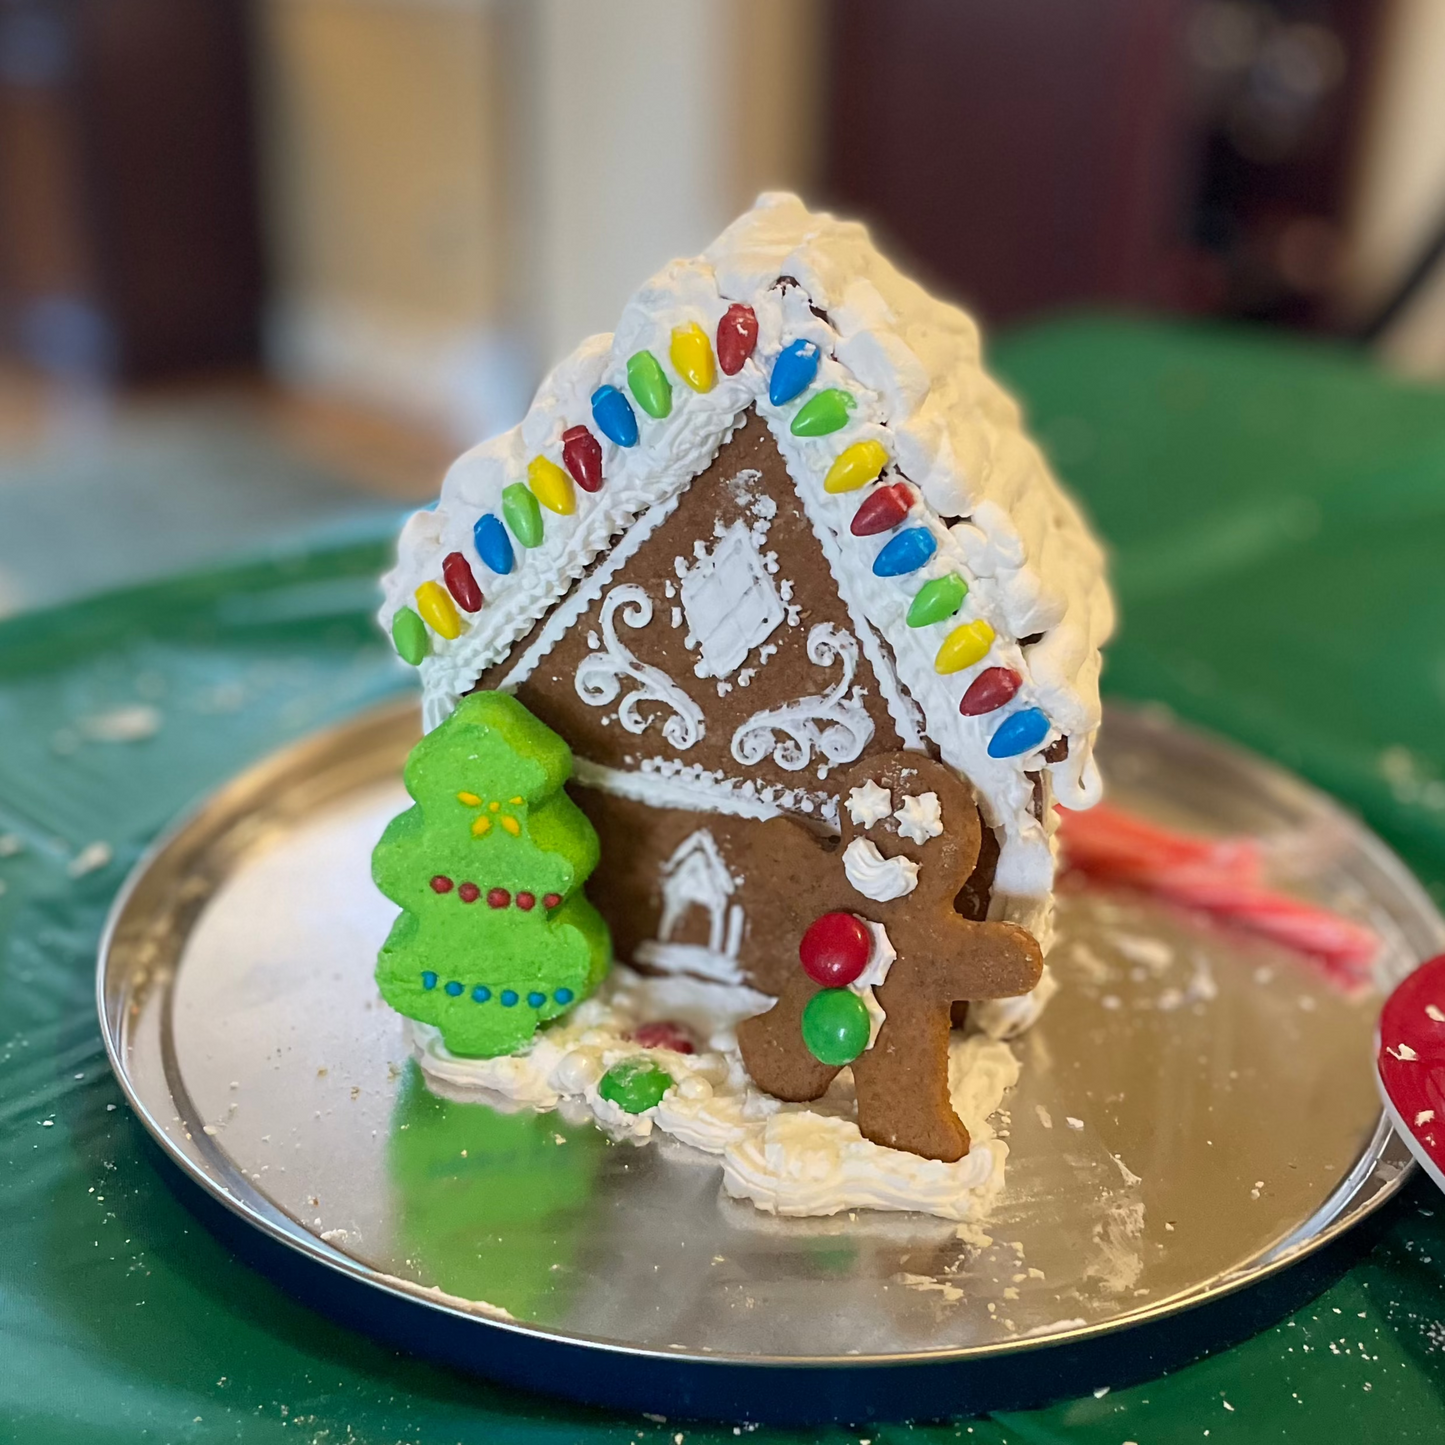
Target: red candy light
737	335
469	892
526	901
582	453
664	1034
883	511
835	949
993	687
457	573
498	898
441	884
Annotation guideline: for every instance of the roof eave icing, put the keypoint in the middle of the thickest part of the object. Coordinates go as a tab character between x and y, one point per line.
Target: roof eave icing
913	368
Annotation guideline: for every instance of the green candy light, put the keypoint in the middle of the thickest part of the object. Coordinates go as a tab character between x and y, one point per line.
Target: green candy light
826	412
938	600
635	1084
408	632
835	1026
647	381
524	516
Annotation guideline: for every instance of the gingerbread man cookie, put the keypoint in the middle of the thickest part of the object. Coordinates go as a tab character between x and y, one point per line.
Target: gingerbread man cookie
910	836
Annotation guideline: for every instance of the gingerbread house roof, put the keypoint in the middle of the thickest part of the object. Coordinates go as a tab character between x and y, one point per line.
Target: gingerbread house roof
853	367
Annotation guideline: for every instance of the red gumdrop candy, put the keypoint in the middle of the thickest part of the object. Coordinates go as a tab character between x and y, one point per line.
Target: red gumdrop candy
664	1034
835	949
582	453
461	583
884	510
993	687
737	334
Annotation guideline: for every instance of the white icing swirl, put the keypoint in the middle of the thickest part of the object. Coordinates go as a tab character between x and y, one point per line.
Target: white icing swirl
876	877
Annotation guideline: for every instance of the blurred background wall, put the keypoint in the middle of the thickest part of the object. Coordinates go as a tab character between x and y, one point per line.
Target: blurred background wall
378	221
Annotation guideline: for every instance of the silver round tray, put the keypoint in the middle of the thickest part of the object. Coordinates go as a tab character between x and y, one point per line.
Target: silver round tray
1196	1112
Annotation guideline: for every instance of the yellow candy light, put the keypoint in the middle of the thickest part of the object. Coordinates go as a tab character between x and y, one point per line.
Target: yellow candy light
438	610
856	467
691	355
551	486
964	646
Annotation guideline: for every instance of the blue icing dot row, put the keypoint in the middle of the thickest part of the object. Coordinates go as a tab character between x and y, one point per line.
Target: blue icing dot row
509	998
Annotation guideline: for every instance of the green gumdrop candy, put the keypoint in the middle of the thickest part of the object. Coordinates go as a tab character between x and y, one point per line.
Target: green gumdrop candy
649	384
408	632
938	600
635	1084
835	1026
495	935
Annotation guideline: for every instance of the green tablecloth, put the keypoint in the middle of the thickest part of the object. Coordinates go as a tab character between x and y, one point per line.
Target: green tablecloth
1278	519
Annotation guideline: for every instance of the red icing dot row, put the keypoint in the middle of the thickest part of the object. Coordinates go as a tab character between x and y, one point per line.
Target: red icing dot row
496	897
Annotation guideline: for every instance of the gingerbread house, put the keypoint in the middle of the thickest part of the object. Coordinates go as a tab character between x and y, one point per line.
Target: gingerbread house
781	520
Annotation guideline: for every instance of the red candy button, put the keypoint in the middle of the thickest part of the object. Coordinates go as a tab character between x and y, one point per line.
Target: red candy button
461	583
835	949
737	334
884	510
1410	1059
582	453
664	1034
993	687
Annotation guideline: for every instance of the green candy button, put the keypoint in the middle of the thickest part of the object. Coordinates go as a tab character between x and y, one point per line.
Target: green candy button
835	1026
408	632
826	412
524	516
938	600
635	1084
647	381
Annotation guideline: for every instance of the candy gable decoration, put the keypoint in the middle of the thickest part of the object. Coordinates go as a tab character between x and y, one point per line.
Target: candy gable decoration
495	936
807	529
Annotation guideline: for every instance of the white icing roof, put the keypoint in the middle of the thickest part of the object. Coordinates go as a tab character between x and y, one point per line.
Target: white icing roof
914	368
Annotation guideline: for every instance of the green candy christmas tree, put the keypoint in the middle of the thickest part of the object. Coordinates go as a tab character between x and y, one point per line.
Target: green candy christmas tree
495	935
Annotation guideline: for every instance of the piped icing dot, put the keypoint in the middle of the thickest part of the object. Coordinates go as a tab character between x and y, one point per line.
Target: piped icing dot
885	509
509	998
966	644
454	989
737	336
441	884
493	545
647	381
409	634
526	901
428	979
438	610
481	993
793	371
856	466
823	414
551	900
937	601
551	486
691	357
462	582
498	898
564	996
582	454
469	892
1020	732
905	553
524	516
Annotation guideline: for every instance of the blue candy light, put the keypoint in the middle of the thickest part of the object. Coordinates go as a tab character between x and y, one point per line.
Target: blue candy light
905	553
1020	732
494	547
614	416
793	371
